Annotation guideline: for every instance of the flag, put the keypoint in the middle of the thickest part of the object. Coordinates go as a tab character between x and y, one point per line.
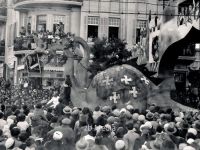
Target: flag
149	15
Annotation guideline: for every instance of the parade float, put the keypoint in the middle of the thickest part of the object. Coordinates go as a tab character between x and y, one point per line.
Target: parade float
174	54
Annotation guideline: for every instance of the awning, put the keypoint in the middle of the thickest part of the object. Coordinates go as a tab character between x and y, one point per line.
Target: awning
53	68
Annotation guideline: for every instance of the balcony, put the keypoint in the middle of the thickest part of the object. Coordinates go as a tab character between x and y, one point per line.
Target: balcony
18	4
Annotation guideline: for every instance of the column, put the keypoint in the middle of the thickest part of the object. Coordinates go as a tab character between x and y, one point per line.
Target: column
84	25
75	21
103	26
18	25
67	23
49	22
33	22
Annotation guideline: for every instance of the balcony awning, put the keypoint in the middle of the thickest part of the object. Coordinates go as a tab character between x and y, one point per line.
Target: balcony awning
53	68
26	4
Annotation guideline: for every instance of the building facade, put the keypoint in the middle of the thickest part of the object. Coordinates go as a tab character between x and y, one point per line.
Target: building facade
3	14
89	19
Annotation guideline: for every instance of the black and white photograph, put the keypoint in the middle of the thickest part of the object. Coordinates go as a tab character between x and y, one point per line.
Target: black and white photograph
99	75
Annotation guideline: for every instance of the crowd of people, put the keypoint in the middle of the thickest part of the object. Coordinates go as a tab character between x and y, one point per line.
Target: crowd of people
29	122
30	40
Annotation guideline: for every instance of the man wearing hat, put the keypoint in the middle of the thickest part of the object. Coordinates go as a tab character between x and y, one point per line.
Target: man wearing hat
59	107
56	142
145	136
130	136
68	135
82	144
120	145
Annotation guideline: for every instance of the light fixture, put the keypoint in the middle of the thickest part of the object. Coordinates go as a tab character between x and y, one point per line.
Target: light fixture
197	46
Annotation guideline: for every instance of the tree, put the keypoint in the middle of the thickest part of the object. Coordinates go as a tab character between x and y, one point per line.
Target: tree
107	54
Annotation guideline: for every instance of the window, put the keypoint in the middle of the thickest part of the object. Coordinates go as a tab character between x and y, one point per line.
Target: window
58	23
29	25
93	23
140	30
114	24
41	23
141	23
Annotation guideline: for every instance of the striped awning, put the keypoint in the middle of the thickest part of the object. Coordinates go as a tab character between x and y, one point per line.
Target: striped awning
53	68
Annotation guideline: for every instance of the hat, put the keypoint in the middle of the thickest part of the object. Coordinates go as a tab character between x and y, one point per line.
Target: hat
116	113
120	144
152	109
178	119
148	124
128	114
82	144
190	141
74	108
135	116
123	110
193	131
9	143
170	128
67	110
141	118
66	121
108	127
144	126
106	109
149	116
57	135
111	120
129	107
75	112
181	146
188	148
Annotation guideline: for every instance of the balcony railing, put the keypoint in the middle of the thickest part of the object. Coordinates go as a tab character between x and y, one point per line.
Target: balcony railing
18	1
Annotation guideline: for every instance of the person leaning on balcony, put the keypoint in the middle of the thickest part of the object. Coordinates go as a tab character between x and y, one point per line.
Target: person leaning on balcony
190	13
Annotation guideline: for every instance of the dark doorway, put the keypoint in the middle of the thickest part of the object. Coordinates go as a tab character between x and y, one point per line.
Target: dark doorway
92	31
138	33
114	32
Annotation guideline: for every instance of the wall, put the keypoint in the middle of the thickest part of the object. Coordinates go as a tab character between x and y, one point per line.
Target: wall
129	11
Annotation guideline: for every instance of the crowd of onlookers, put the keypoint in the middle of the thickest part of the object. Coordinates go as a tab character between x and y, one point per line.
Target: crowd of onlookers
31	40
29	122
188	13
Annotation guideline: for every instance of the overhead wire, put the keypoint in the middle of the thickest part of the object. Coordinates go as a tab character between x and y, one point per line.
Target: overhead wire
148	4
